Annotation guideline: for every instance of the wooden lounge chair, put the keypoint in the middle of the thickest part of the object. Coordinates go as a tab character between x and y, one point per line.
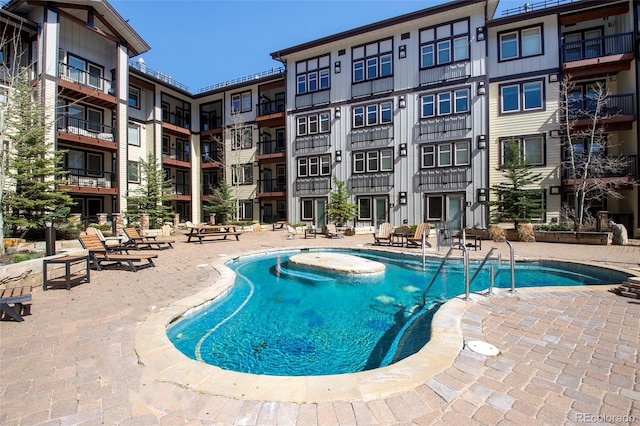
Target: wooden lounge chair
15	302
139	242
332	232
416	240
101	255
383	237
291	232
109	242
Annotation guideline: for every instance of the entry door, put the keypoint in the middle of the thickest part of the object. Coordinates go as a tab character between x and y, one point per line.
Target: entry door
267	180
380	209
94	206
267	215
454	211
321	213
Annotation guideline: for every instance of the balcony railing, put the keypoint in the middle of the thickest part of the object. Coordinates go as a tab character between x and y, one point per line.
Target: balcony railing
90	129
313	143
317	185
273	146
270	107
271	185
177	119
446	179
528	7
267	73
84	78
445	73
142	67
210	121
91	178
177	154
181	189
597	47
374	183
610	166
370	87
616	105
210	157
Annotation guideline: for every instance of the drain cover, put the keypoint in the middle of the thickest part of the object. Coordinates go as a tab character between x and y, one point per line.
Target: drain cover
483	348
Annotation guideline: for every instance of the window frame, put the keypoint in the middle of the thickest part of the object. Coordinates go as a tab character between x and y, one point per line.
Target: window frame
521	140
363	113
371	161
246	138
372	66
434	151
312	67
518	32
322	122
520	85
322	163
436	101
247	174
136	97
239	104
450	43
138	128
136	178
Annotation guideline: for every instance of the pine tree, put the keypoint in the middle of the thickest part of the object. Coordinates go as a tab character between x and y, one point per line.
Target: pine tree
222	205
339	209
31	168
514	202
154	195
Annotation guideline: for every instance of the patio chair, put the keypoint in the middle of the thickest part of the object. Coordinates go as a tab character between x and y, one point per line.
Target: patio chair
291	232
332	232
109	242
101	256
383	237
416	240
139	242
16	302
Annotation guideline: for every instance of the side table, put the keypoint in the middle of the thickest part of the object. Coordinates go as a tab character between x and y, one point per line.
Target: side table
68	278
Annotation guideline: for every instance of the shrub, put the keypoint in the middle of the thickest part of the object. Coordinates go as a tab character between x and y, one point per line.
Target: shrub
554	227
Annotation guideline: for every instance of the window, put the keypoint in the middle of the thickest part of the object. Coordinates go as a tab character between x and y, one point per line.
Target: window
313	124
307	209
312	75
166	145
376	114
527	96
242	138
445	154
445	103
531	149
133	171
314	166
435	207
373	161
242	174
134	134
372	61
520	43
246	210
84	72
94	120
444	44
134	97
241	102
364	209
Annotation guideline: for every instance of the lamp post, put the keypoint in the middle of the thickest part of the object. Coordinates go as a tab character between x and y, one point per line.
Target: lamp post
50	239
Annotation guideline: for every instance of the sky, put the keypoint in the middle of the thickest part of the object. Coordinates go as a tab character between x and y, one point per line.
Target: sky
203	42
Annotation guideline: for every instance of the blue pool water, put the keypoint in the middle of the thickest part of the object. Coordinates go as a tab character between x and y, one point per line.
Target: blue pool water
289	321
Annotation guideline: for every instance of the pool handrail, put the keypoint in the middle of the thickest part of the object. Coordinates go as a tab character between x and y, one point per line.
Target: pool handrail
439	268
512	266
475	274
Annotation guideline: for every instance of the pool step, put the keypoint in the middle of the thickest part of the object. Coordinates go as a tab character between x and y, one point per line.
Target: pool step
630	288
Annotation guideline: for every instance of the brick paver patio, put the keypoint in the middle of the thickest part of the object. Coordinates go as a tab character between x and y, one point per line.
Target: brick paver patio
567	357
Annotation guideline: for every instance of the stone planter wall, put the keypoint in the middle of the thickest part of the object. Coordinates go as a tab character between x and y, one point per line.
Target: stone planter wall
570	237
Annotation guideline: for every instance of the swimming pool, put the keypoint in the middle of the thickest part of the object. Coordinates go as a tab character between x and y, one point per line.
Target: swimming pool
283	321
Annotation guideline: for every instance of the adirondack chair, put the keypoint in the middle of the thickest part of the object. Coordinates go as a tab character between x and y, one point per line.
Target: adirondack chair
416	240
383	237
332	232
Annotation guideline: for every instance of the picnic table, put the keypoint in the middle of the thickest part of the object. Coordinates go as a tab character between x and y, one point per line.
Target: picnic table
202	232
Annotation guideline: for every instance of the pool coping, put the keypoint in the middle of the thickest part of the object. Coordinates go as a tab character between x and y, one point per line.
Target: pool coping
165	363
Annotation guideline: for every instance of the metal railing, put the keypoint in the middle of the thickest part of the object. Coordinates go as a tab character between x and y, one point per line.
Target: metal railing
142	67
90	129
465	260
618	166
272	146
209	157
270	107
584	107
180	120
177	154
181	189
271	185
597	47
255	76
528	7
210	121
84	78
89	178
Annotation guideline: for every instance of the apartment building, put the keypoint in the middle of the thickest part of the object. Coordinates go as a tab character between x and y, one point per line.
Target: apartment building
397	110
530	52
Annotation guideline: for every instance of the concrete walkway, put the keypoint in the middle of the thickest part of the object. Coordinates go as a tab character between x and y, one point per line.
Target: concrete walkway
567	357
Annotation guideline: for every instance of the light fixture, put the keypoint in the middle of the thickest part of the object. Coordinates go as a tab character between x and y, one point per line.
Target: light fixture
336	67
553	78
468	203
482	195
338	114
256	163
554	133
554	190
402	198
338	156
403	149
402	103
402	51
480	33
481	88
482	141
256	200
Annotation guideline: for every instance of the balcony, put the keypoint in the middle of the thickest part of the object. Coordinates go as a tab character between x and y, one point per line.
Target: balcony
372	87
210	123
181	189
211	161
81	85
444	179
446	74
90	182
272	149
379	183
617	114
270	113
313	99
313	186
271	188
443	128
176	157
177	123
597	57
313	144
619	170
374	137
87	133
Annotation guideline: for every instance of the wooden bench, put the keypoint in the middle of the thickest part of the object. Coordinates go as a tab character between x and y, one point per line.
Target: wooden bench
20	298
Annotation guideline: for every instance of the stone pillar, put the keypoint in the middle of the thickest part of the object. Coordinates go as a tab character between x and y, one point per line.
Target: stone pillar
102	218
603	221
118	223
144	221
176	220
75	221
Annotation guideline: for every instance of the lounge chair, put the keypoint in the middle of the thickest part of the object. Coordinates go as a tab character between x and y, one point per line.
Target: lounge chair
101	256
139	242
15	302
384	234
332	232
416	240
110	242
291	232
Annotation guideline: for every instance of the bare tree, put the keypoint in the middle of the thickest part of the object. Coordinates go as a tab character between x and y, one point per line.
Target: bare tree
591	171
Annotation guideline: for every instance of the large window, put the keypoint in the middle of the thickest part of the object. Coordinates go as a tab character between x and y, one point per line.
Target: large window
133	171
314	166
520	43
444	44
241	102
524	96
242	138
373	60
84	72
531	149
372	115
134	97
242	174
445	103
246	209
313	124
373	161
134	134
445	154
312	75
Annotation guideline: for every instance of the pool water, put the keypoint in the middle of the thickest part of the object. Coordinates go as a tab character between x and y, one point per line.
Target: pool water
285	321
